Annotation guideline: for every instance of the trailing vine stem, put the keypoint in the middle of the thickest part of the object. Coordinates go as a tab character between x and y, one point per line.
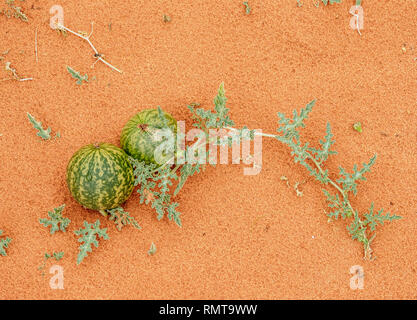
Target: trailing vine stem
156	179
364	240
367	243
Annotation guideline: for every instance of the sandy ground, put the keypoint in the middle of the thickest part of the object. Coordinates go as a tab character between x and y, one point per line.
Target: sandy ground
243	237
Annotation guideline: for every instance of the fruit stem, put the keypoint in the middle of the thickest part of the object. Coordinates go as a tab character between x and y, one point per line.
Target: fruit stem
143	126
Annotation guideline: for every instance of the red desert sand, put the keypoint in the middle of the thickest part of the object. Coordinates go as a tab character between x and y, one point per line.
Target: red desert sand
243	237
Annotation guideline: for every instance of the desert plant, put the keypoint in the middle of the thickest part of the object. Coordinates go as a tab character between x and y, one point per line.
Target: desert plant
77	75
121	218
14	11
89	236
55	255
45	134
155	181
144	133
357	126
4	244
361	229
326	2
248	9
56	220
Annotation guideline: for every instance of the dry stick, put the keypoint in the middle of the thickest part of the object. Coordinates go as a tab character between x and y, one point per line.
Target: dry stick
97	54
25	79
14	73
357	23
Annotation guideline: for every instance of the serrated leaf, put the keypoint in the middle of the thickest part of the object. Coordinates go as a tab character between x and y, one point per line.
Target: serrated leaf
58	255
4	244
207	119
358	231
56	220
44	134
289	126
339	206
372	220
122	218
187	170
89	237
77	75
321	155
154	188
348	180
13	11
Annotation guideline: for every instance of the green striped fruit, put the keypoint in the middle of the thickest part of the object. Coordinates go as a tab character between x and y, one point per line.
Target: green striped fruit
100	176
148	138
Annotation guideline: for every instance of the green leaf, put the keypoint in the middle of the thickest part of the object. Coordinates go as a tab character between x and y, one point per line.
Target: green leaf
289	127
339	207
357	126
77	75
218	118
13	11
58	255
326	2
248	8
321	155
89	236
56	220
313	159
348	180
154	188
152	249
44	134
173	214
122	218
209	119
358	231
372	220
4	244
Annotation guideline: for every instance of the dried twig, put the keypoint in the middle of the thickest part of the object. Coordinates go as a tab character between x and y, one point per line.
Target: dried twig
357	23
14	74
97	55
